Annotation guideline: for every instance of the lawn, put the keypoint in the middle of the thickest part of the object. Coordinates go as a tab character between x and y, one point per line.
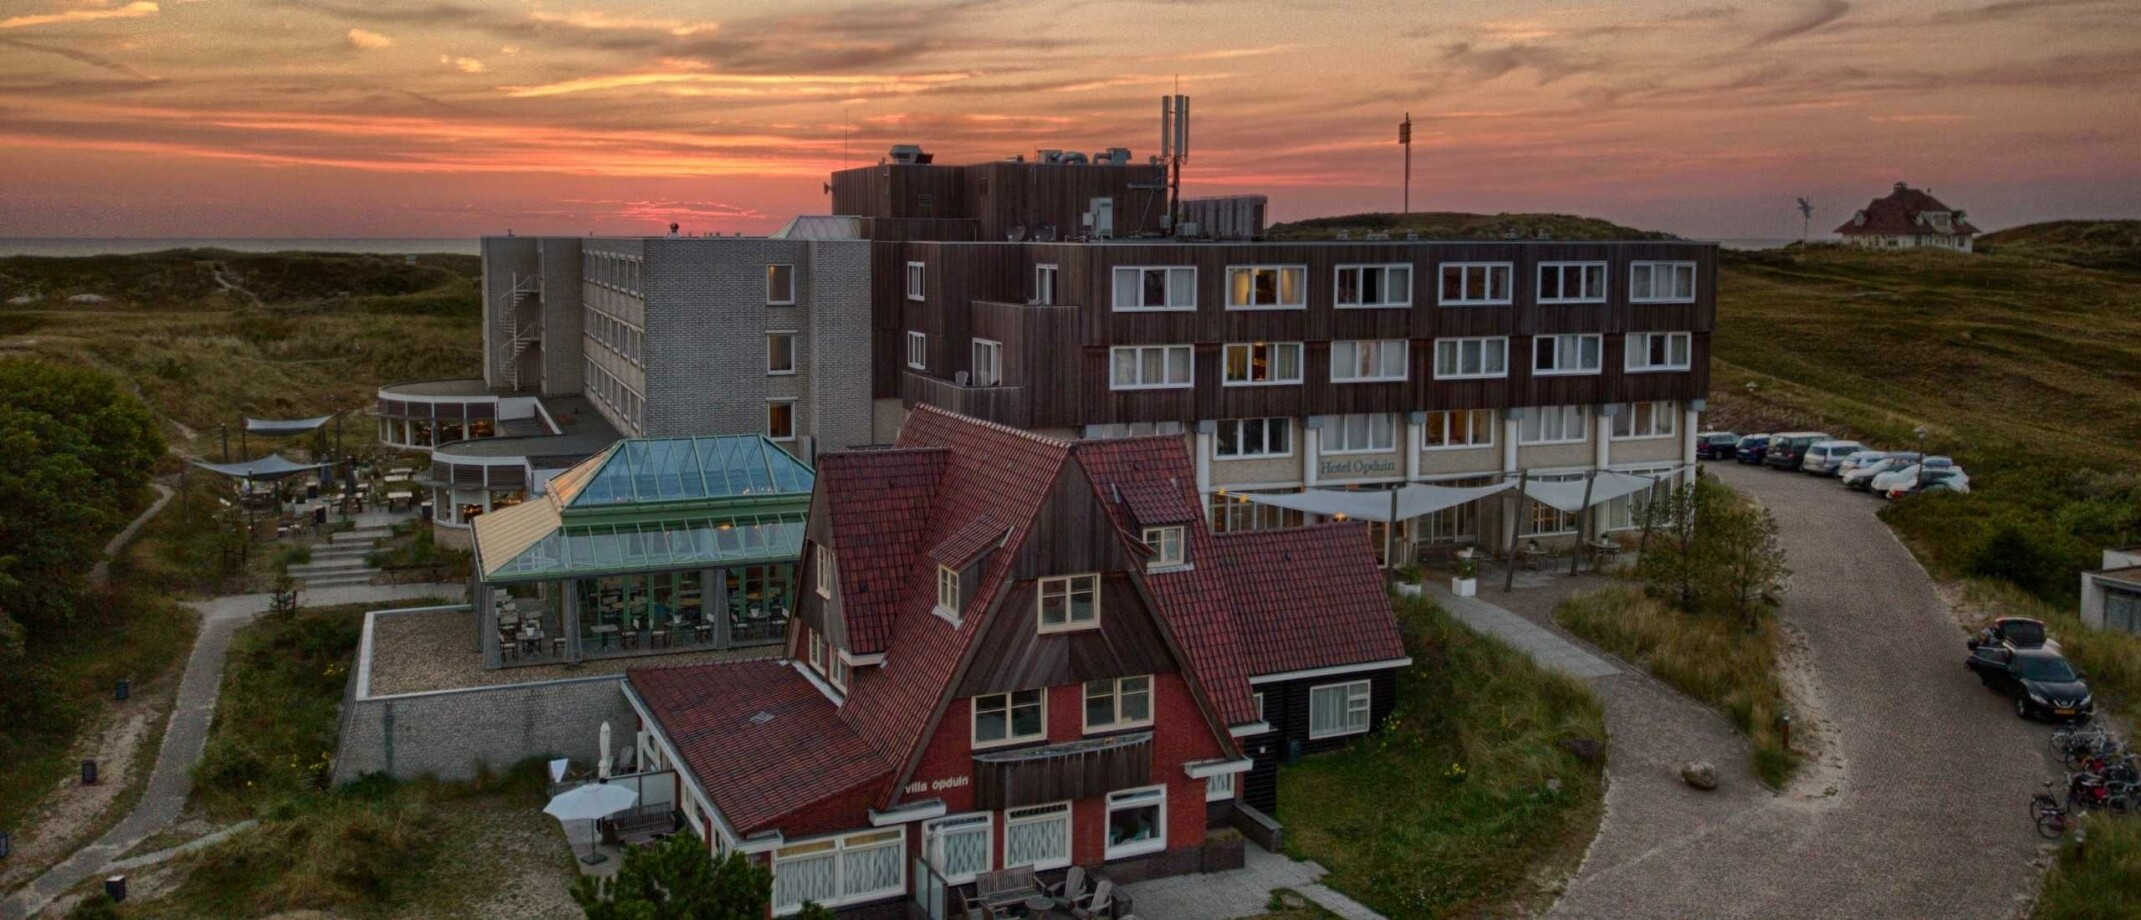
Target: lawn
1466	792
2100	881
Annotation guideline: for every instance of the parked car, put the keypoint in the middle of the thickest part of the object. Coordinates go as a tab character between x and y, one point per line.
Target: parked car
2016	633
1826	457
1752	449
1716	445
2040	681
1788	450
1921	477
1860	458
1861	477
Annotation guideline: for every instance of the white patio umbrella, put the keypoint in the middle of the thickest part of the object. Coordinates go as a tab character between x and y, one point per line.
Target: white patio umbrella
590	803
602	767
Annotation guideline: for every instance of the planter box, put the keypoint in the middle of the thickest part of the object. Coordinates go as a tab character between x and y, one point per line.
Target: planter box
1464	587
1222	854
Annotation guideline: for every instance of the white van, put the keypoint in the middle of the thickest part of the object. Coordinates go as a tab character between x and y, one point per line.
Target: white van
1826	457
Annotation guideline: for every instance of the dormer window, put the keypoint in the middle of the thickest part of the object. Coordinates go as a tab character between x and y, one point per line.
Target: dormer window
1166	543
948	593
1069	602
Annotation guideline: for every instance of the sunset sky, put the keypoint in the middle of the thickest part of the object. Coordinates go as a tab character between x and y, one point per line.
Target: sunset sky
463	117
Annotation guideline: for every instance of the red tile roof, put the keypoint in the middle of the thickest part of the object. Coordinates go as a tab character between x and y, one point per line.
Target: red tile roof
879	503
1308	597
1157	501
1898	214
759	770
967	542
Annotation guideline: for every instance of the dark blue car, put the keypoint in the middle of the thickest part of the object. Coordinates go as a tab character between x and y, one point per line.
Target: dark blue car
1753	449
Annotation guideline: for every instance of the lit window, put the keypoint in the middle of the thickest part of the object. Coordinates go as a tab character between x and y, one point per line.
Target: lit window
1361	361
780	352
1069	602
1461	359
1661	282
1557	355
1645	420
1658	351
1267	287
1338	709
1572	282
1009	718
1159	288
1357	434
1251	364
780	419
1476	282
780	285
1137	822
917	275
1166	543
1121	703
1247	438
1150	367
1365	286
1458	428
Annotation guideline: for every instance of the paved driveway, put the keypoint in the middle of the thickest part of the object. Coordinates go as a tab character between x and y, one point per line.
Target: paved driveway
1929	818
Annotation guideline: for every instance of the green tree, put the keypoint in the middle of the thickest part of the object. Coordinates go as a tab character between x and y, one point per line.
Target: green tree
1670	560
1742	569
677	880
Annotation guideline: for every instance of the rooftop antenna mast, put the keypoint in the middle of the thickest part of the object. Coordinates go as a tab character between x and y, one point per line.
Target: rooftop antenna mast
1405	138
1806	218
1174	148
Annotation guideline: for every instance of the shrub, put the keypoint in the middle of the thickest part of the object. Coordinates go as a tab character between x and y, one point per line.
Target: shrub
316	853
1707	549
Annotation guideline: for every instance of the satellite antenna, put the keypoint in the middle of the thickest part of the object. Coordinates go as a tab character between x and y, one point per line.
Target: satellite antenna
1806	217
1045	233
1014	233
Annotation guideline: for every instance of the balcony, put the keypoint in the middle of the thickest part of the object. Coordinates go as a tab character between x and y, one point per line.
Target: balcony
1000	404
1053	773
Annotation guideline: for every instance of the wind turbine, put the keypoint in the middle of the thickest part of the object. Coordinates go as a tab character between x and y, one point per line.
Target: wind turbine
1806	217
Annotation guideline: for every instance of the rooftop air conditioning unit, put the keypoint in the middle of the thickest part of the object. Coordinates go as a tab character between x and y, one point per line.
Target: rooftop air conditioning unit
1049	157
907	153
1101	217
1190	228
1119	156
1073	158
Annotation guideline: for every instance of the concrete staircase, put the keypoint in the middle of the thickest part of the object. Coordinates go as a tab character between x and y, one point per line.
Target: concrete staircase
341	560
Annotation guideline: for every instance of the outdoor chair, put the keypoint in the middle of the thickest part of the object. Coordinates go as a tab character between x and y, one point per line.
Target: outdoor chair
1071	889
1097	905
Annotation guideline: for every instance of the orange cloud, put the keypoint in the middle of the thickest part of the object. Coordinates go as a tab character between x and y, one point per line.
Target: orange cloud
465	64
683	83
365	40
130	11
598	20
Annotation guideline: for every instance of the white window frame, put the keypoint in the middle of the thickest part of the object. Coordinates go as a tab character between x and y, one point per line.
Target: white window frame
775	335
1278	273
1456	347
817	649
1465	296
1240	448
822	567
1168	547
891	838
1447	418
1272	351
1336	427
973	709
1219	787
771	434
948	593
989	353
1583	425
917	280
1635	352
1045	276
1647	272
772	272
933	836
1134	798
1138	356
1359	273
1359	700
1115	692
1664	417
1116	292
1584	275
917	350
1598	354
1039	814
1065	587
1259	697
1381	347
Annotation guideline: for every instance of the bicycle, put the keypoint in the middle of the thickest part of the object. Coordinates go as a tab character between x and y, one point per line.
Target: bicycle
2082	752
2067	738
2052	820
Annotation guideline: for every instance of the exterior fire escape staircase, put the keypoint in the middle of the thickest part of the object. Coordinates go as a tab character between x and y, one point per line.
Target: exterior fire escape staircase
524	311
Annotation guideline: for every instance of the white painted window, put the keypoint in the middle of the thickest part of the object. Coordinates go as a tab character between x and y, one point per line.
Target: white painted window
1572	282
917	280
948	592
1250	438
1471	359
1166	543
1262	363
1267	287
780	352
1151	367
780	419
1645	420
1658	351
1038	836
1338	709
1370	286
918	351
817	649
1476	283
838	871
960	847
1360	434
1562	355
1259	695
1661	282
1219	787
988	363
780	285
822	565
1458	428
836	668
1044	285
1156	288
1009	718
1137	822
1124	702
1368	360
1068	602
1553	425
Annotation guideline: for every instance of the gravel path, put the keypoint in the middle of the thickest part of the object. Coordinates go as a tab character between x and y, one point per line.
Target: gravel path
1927	820
187	735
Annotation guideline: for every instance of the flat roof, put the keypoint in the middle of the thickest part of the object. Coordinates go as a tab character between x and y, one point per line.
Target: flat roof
464	387
585	433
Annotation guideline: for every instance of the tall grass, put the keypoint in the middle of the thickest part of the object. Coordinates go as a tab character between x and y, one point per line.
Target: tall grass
2101	880
274	732
1465	789
1709	657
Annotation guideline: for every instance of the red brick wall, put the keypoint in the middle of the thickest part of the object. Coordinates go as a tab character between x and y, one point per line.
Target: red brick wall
1180	734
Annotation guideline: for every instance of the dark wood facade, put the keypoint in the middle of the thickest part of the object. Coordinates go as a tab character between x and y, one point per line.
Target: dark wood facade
1082	769
999	198
1286	711
1059	355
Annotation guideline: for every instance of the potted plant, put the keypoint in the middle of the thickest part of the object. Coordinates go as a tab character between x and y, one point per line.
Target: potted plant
1466	582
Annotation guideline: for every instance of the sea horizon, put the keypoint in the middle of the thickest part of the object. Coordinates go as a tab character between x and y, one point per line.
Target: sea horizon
78	246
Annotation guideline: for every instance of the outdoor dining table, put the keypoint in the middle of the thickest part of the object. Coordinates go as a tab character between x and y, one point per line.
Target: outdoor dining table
607	632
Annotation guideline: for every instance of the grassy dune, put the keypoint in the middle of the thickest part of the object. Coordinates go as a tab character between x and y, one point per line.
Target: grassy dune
1446	225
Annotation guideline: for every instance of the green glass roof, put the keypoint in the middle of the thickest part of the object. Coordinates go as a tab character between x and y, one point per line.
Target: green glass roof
677	543
643	470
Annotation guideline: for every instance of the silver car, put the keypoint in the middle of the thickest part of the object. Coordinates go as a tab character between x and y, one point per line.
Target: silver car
1824	457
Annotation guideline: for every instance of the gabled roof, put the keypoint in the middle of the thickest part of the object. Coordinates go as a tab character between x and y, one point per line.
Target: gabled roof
968	542
878	502
1308	597
1153	502
1898	213
761	741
